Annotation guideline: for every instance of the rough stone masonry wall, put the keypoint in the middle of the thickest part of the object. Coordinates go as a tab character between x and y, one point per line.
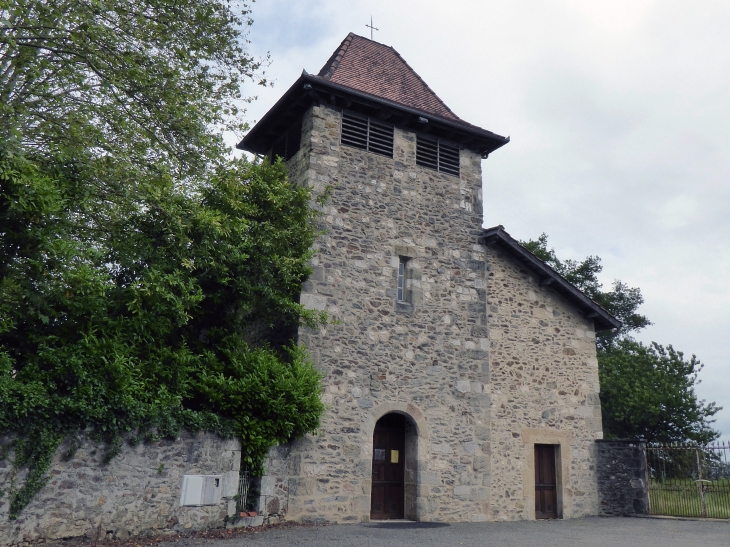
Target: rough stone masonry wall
274	485
422	359
137	493
544	389
622	478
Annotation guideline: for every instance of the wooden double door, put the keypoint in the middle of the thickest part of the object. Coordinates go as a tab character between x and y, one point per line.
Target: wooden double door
388	488
546	488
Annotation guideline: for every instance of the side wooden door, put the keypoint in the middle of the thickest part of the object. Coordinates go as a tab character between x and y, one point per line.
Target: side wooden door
388	492
546	491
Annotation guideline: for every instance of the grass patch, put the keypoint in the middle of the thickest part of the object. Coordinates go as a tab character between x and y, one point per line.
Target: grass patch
684	500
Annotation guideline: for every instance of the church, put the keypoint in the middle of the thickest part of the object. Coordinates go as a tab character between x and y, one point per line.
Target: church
460	371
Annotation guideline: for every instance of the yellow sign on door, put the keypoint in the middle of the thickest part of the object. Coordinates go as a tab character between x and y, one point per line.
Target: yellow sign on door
393	456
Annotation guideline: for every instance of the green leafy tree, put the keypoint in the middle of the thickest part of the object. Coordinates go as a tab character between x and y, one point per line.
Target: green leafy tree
139	324
137	258
131	85
647	392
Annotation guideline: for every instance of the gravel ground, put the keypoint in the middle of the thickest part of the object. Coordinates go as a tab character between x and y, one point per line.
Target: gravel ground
589	532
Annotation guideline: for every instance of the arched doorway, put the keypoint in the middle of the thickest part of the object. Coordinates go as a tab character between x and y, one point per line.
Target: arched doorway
392	463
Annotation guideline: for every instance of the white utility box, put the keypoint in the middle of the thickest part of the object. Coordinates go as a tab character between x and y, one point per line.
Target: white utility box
199	490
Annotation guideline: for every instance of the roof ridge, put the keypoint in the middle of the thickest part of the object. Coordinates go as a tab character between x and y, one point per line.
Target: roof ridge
378	69
423	82
334	61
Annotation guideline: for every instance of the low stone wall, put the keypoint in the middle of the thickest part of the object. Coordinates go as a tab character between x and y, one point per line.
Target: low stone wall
137	493
273	486
622	486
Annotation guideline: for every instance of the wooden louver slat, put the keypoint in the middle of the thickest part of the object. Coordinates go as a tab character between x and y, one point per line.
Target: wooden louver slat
279	149
367	134
449	159
293	140
427	153
437	155
289	144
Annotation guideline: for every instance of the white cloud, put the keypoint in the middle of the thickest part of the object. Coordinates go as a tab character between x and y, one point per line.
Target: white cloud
678	212
619	113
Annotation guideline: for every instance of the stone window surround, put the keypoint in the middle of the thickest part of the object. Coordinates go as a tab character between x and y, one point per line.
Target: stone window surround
405	255
402	294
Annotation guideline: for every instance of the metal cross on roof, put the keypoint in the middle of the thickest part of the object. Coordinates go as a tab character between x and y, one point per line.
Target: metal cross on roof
371	27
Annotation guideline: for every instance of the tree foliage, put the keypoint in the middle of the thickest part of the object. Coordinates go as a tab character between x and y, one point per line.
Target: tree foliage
135	256
133	85
137	321
647	392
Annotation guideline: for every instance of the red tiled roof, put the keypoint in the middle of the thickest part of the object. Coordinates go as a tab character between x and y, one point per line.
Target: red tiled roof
376	69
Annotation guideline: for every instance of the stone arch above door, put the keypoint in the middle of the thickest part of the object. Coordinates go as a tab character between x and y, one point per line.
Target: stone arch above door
416	449
410	411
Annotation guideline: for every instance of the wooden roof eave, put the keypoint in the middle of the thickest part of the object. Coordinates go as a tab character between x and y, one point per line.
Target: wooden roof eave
309	89
548	276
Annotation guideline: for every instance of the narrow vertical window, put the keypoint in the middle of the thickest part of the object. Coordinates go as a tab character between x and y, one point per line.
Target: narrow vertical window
402	279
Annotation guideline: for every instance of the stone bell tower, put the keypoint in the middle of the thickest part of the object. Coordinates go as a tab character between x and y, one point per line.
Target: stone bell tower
402	268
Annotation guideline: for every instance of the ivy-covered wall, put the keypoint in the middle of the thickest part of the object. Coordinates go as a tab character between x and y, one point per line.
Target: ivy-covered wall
137	493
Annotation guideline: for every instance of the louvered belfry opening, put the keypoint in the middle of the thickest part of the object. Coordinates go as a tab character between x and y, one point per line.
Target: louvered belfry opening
367	134
289	144
364	78
437	155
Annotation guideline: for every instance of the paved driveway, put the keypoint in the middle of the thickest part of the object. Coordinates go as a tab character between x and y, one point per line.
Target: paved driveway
589	532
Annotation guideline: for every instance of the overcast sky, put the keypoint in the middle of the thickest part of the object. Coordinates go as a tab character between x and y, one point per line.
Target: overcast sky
619	115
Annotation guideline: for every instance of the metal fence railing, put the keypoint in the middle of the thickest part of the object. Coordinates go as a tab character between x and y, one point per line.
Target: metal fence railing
244	483
689	481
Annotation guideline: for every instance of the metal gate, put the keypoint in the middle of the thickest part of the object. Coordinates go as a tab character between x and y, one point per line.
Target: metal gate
244	483
689	481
